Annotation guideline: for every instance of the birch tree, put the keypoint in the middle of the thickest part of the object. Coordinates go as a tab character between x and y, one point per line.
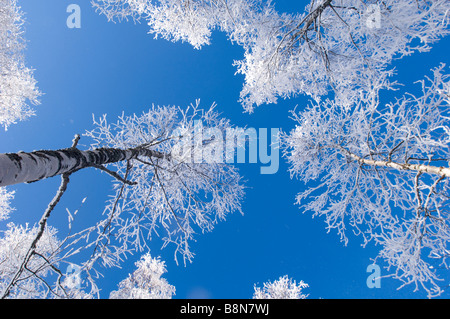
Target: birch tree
18	90
168	180
344	47
14	246
5	203
382	172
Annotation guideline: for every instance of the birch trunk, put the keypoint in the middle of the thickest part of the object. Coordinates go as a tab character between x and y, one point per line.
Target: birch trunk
30	167
441	171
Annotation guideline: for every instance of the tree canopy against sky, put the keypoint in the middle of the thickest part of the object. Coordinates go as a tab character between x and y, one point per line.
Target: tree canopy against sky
145	282
172	182
283	288
344	46
257	238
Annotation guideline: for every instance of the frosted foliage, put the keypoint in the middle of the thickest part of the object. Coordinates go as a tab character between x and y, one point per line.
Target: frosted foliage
5	203
283	288
176	196
344	46
337	47
17	85
14	245
383	173
145	282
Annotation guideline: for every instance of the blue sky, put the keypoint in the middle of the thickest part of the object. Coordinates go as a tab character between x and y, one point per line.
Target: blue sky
109	68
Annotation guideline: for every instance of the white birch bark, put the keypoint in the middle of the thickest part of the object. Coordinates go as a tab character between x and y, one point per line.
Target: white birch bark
437	170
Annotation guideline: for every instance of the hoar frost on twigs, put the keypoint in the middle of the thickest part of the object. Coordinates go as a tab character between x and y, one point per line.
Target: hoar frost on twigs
14	245
383	171
283	288
170	179
174	196
5	203
343	46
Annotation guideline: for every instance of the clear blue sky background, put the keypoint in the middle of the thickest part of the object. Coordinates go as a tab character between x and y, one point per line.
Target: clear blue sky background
109	68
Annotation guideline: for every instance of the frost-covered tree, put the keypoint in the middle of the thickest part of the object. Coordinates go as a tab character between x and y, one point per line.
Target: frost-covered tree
345	46
382	171
18	88
283	288
145	282
170	180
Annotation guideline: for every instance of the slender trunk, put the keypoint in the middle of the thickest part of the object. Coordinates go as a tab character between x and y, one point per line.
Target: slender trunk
441	171
29	167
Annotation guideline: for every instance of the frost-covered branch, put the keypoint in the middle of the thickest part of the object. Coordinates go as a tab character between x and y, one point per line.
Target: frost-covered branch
14	249
191	188
40	232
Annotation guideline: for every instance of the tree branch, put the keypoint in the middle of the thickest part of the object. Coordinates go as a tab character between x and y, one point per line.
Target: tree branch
114	174
42	225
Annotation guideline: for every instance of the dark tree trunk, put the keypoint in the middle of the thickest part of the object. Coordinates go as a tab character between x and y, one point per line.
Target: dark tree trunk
30	167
